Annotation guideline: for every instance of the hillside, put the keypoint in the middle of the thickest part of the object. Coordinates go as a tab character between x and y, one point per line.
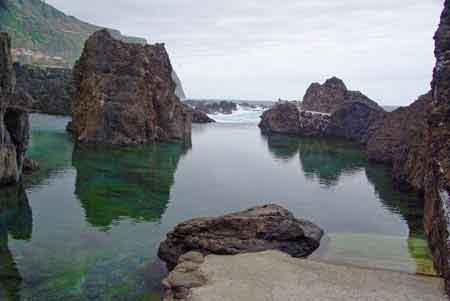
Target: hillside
43	35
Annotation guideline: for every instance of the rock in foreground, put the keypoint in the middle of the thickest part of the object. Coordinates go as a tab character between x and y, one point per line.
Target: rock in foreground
262	228
125	94
274	276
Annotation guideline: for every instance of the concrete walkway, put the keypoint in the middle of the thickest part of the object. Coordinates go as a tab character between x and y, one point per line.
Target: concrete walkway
274	276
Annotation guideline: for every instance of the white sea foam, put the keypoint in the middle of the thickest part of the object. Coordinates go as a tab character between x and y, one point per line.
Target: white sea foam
242	115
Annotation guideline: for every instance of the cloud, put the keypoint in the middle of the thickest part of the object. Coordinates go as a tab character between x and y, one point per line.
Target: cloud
267	49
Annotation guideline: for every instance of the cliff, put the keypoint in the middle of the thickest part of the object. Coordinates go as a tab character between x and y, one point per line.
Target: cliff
14	123
52	89
125	94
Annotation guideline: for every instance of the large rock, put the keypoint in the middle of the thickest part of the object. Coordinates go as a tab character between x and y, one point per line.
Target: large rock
52	89
14	122
282	118
327	98
398	139
268	227
125	94
354	121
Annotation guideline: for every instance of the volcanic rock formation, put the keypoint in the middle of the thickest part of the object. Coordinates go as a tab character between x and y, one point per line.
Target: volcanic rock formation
125	94
327	98
268	227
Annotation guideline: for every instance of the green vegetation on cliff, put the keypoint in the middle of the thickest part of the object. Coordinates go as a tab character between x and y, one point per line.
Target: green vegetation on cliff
46	32
42	35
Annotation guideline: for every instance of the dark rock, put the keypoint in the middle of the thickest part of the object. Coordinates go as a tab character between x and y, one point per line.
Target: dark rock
354	120
210	107
14	122
269	227
283	118
52	89
199	116
327	98
398	139
29	166
125	94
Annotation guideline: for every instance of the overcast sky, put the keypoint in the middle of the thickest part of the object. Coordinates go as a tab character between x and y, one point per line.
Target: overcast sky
265	49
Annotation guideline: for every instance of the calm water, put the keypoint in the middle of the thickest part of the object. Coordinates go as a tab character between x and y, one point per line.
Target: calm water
87	226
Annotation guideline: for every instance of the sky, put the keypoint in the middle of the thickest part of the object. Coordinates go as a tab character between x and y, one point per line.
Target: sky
270	49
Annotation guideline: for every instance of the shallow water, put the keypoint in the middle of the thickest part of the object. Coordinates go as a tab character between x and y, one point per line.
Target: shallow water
87	225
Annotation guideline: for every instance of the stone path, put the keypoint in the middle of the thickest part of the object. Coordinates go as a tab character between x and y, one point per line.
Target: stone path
274	276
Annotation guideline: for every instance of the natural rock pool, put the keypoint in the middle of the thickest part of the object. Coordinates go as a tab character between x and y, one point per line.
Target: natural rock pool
88	224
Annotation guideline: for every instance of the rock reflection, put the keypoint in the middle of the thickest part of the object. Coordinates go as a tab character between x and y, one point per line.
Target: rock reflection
324	160
129	182
16	220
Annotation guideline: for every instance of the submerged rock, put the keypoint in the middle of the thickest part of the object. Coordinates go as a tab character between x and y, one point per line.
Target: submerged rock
14	123
125	94
330	96
268	227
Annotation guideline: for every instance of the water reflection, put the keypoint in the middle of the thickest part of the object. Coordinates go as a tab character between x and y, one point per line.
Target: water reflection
129	182
15	220
324	160
327	160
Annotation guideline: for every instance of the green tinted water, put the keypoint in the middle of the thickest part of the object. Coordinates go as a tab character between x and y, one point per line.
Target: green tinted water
87	225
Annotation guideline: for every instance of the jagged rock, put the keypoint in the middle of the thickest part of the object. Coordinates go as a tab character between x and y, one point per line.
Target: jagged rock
125	94
327	98
52	89
268	227
14	123
313	124
282	118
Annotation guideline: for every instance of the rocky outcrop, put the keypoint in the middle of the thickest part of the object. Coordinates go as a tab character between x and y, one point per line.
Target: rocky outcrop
283	118
352	120
199	116
212	107
327	98
14	123
268	227
125	94
52	89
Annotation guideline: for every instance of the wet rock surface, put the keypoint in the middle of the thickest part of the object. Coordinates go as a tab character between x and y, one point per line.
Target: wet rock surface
268	227
199	116
125	94
14	122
